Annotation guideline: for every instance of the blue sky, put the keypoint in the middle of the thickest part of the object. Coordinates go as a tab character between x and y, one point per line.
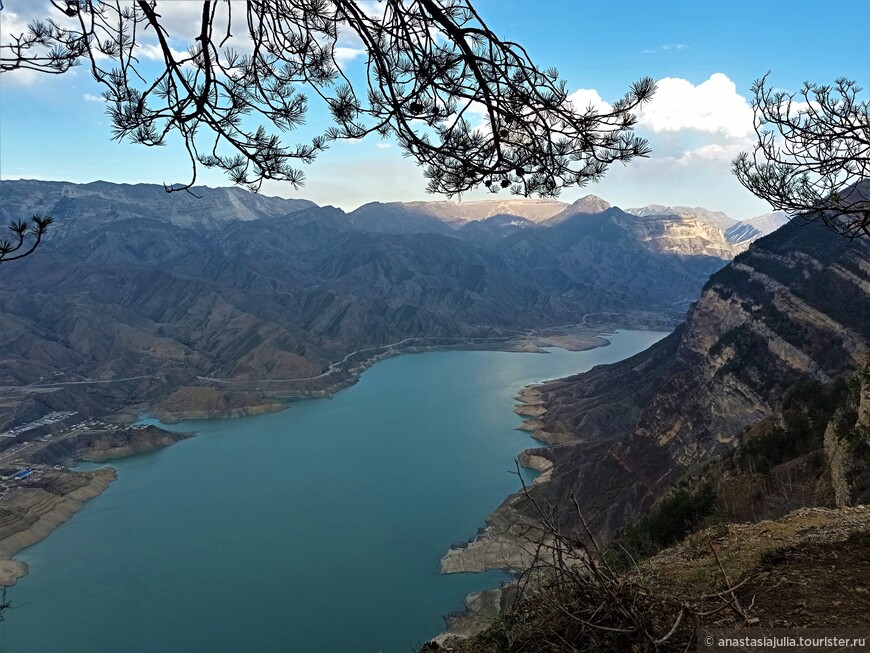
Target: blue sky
705	54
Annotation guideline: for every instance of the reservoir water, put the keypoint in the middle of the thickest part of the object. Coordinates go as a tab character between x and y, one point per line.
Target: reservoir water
317	529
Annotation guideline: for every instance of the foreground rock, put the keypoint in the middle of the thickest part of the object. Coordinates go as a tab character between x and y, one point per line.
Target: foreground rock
809	569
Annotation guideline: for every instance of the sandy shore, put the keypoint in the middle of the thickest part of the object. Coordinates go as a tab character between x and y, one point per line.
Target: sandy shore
31	513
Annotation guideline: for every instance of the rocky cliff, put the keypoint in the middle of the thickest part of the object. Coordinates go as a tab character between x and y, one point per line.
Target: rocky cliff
793	307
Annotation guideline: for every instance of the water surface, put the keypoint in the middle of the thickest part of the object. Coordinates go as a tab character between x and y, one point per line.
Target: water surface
318	529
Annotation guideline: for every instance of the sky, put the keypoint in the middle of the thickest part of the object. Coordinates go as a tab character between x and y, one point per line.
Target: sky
704	55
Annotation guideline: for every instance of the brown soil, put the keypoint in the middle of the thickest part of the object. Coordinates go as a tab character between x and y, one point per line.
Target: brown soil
809	569
814	585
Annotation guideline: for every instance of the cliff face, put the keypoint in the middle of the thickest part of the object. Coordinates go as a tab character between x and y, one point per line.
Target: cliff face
847	445
679	234
794	306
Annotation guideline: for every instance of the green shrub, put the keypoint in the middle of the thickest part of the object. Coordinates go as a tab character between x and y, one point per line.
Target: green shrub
669	521
807	407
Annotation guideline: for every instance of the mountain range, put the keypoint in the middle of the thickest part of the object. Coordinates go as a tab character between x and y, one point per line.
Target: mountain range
191	299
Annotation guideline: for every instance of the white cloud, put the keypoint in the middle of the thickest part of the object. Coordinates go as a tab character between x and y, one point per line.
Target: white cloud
714	106
371	8
714	152
155	52
183	20
92	98
13	24
583	98
674	47
22	77
344	55
695	132
384	146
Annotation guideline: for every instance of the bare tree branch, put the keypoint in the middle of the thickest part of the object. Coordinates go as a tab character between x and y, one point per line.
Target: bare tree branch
812	154
430	65
26	237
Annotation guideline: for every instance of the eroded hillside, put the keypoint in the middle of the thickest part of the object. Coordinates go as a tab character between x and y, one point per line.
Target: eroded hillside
793	307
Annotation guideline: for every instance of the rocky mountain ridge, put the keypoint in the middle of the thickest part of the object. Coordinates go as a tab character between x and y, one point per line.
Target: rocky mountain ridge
102	202
793	307
742	233
681	230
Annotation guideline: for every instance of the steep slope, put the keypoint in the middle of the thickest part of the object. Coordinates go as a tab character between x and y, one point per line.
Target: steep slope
599	260
682	230
686	232
679	234
737	234
794	306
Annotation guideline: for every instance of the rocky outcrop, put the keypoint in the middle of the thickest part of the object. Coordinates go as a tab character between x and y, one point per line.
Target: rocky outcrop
204	402
103	442
679	234
847	445
716	219
687	227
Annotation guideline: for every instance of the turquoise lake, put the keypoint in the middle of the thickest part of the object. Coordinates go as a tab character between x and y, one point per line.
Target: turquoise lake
317	529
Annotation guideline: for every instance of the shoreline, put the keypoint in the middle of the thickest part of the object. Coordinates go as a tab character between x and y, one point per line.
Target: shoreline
52	494
505	543
509	540
569	337
50	511
43	510
59	508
